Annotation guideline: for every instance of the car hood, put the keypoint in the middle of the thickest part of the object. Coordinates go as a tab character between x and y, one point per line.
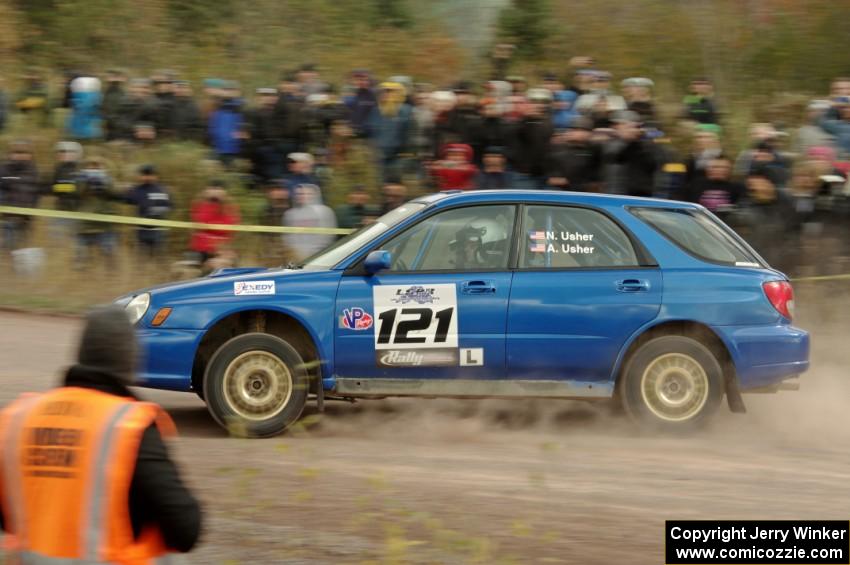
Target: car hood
218	279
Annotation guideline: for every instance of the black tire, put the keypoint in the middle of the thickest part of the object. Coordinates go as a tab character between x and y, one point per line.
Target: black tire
233	373
671	383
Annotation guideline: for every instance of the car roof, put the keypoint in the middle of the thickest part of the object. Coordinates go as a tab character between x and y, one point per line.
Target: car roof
452	197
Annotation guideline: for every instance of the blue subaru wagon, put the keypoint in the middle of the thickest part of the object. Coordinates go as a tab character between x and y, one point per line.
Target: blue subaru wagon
656	304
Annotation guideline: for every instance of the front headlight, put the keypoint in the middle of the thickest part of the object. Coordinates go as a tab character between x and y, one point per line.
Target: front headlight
137	307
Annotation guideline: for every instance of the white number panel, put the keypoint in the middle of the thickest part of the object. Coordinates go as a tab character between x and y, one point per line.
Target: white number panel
415	317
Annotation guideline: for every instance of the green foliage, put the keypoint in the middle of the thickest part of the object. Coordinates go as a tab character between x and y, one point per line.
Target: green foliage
193	16
526	23
392	13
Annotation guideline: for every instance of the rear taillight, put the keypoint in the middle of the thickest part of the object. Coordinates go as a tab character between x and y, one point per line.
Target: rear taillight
781	295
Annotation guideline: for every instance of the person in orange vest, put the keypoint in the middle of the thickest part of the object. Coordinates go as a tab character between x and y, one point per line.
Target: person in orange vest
84	472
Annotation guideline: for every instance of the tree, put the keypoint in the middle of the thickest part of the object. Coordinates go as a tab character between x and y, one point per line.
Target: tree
526	23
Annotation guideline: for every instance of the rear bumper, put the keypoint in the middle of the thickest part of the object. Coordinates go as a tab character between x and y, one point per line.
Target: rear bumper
765	356
168	356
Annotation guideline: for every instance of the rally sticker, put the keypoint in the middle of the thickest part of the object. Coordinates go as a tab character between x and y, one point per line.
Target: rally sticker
355	319
416	325
253	288
560	242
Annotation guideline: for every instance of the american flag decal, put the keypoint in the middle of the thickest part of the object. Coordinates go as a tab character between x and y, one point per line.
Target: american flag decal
537	235
538	248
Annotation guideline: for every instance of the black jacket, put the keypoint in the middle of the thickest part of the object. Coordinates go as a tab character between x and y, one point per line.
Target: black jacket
157	494
580	164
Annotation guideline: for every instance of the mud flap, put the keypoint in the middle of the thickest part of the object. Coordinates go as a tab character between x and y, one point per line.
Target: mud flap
733	395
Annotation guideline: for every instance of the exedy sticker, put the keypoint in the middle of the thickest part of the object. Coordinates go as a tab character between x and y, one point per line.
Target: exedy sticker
253	288
355	319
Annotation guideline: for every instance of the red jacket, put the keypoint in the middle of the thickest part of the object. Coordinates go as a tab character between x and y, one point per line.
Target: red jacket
207	212
452	174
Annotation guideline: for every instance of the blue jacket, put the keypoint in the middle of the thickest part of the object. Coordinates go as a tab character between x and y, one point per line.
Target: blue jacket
841	130
223	125
150	200
561	117
84	121
391	133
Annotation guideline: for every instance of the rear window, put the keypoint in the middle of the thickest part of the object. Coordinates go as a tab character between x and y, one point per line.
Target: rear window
700	235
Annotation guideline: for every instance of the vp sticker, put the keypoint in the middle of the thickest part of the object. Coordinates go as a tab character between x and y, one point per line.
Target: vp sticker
355	319
253	288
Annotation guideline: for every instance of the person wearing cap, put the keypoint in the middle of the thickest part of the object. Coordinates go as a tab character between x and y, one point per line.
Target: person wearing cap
300	167
137	107
631	160
362	103
463	121
19	186
531	140
152	202
309	81
699	104
64	186
87	461
390	122
97	196
84	122
262	144
163	94
600	102
494	173
187	120
637	91
575	162
765	142
113	98
493	130
288	119
32	99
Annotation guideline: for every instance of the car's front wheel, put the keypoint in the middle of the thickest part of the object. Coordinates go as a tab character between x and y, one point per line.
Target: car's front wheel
672	382
256	385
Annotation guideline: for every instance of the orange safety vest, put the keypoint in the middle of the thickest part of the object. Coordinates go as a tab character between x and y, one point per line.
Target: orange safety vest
68	458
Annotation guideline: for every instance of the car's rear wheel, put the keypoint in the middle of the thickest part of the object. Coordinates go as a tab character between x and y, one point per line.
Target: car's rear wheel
672	382
256	385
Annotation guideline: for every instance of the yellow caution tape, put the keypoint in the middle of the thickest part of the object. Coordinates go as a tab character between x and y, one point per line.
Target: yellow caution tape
112	219
109	218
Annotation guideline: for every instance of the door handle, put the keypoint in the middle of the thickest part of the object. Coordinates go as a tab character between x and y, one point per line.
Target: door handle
478	287
632	285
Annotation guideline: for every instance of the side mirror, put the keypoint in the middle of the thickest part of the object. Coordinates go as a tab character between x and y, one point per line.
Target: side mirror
379	260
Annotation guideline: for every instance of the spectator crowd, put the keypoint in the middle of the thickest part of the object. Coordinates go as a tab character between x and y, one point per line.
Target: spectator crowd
578	130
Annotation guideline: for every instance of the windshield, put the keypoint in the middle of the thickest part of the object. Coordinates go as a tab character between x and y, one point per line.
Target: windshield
344	247
700	235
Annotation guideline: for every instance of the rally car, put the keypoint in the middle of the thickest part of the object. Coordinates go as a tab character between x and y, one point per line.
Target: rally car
655	304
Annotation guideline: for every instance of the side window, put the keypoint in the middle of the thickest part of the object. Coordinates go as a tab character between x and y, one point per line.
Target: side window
472	238
559	237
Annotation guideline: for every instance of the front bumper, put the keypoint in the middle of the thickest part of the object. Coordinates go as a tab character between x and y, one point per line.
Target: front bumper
168	356
765	356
